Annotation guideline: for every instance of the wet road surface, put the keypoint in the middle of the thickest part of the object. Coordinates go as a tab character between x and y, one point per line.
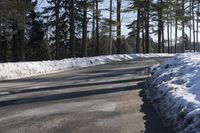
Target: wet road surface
101	99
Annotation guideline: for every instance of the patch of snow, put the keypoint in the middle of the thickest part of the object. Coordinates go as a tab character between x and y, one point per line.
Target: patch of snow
174	91
27	69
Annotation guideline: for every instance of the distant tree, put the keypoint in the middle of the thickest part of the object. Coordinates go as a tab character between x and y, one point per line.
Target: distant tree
13	16
126	48
53	15
37	47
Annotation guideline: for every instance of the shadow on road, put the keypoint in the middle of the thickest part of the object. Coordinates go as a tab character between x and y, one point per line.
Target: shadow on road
81	76
70	86
84	76
153	123
66	95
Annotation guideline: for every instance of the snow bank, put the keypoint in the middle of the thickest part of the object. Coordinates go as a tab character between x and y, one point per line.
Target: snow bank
27	69
174	90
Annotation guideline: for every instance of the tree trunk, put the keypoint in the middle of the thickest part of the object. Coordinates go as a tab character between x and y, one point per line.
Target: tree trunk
193	26
138	32
110	29
72	29
18	46
190	28
197	34
84	38
176	34
168	36
93	28
190	47
97	28
147	25
163	39
1	50
171	34
5	51
119	26
183	27
22	43
159	26
57	33
4	47
15	47
143	33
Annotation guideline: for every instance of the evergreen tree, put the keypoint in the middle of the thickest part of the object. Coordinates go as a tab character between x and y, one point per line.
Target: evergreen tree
36	48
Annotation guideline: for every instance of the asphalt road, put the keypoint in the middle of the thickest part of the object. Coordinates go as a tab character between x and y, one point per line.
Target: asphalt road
101	99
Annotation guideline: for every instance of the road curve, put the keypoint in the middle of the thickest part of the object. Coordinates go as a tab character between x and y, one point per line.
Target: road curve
101	99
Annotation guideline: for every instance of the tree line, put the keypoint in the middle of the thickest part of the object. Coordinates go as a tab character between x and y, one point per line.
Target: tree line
78	28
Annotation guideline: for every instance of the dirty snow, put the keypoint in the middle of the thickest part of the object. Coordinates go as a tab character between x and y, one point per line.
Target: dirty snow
174	90
27	69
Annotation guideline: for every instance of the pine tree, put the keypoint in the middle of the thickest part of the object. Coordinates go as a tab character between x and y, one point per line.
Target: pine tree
55	22
36	49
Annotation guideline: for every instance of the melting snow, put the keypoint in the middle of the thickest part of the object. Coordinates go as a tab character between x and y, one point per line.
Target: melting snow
27	69
174	90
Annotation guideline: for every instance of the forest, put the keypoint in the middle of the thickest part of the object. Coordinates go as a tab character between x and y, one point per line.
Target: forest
77	28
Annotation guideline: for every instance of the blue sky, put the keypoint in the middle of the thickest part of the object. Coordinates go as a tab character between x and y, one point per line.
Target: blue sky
126	18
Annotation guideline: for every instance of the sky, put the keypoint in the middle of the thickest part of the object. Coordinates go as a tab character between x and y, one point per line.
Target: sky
126	18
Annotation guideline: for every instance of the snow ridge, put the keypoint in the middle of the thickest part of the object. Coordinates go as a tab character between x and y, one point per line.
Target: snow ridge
174	90
27	69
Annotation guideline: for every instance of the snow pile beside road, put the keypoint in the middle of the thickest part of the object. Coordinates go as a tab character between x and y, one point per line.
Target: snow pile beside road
27	69
174	90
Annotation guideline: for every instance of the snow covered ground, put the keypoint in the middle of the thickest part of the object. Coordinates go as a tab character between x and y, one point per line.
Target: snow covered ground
174	90
27	69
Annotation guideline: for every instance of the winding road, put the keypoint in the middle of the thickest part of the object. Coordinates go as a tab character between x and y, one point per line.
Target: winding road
101	99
